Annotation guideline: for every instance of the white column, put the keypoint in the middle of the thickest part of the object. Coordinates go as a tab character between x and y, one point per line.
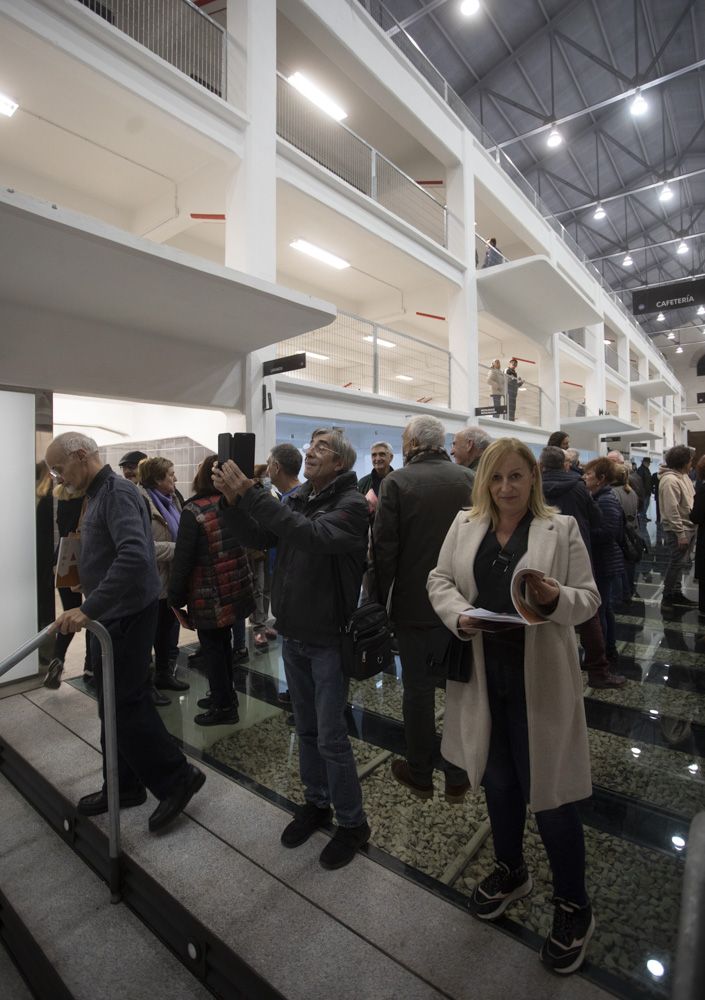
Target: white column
462	305
250	209
18	609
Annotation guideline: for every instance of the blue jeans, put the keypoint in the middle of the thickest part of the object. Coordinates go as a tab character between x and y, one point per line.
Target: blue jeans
319	696
678	562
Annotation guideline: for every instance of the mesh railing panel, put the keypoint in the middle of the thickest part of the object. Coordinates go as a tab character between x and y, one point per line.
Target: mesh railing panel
410	202
174	30
612	359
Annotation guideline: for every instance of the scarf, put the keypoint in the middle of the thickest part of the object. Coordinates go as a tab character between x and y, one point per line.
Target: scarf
167	508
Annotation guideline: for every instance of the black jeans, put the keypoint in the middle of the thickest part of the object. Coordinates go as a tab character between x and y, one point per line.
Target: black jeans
506	782
163	637
147	754
419	708
217	654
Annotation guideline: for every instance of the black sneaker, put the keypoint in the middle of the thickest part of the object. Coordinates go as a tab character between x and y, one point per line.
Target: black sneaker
307	819
241	655
344	846
218	717
564	949
496	891
52	679
682	601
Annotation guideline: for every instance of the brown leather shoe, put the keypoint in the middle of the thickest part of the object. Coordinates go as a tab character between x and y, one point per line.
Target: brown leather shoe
455	794
401	773
607	681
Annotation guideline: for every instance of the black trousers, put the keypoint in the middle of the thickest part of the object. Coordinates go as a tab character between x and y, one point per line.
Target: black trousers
217	653
419	709
69	600
147	754
163	637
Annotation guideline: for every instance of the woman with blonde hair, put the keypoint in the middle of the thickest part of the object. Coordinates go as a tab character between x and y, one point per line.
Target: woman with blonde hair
518	726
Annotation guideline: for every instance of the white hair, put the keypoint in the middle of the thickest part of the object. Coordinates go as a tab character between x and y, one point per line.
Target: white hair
73	441
383	444
479	438
427	431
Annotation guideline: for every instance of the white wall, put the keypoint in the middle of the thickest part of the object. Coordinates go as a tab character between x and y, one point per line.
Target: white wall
111	421
18	608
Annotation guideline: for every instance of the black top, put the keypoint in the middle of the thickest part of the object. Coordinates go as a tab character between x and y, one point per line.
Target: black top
494	567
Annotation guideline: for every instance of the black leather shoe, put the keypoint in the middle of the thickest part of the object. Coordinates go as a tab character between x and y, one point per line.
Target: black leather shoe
170	807
160	699
97	803
169	682
217	716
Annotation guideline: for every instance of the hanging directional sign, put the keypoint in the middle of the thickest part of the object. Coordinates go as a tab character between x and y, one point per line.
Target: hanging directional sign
287	364
680	295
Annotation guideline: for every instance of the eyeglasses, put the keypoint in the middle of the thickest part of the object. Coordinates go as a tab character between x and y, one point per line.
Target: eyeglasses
319	448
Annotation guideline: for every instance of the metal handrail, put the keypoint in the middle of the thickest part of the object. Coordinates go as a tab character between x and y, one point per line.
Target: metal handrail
110	730
689	974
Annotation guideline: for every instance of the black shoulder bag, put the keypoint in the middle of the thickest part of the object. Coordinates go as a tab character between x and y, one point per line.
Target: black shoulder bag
366	636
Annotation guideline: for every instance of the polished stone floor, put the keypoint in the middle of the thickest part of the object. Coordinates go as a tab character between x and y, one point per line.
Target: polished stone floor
648	755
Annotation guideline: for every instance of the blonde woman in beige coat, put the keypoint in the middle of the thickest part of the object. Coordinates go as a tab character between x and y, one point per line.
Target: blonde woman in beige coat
518	727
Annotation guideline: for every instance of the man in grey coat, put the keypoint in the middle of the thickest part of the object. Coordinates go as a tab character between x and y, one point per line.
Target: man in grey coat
417	506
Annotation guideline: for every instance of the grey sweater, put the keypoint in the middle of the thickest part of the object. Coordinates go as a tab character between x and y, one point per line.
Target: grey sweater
117	565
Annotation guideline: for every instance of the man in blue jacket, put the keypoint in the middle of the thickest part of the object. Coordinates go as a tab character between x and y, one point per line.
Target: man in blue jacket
120	584
321	540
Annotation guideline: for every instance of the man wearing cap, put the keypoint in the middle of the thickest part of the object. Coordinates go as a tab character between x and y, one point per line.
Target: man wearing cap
128	464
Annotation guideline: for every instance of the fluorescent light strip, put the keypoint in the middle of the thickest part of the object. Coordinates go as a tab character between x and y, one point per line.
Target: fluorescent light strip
317	357
314	93
7	106
404	378
303	246
380	342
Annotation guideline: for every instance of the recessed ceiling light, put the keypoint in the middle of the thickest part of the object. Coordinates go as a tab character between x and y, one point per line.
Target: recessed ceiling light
678	841
599	212
638	105
317	357
554	138
627	262
303	246
469	7
682	247
7	106
404	378
665	194
381	343
660	318
314	93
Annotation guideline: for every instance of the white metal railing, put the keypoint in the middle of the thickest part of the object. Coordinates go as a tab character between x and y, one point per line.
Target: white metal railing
345	154
528	402
633	372
355	353
176	31
573	406
612	359
403	41
487	255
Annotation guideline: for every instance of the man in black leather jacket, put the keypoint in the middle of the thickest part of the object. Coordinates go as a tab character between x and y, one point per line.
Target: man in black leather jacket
321	541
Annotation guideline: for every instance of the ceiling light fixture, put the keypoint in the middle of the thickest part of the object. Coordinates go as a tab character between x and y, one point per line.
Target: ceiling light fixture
404	378
666	193
660	318
627	262
599	212
380	343
314	93
469	7
701	311
671	335
638	105
7	106
682	247
679	349
317	357
554	138
303	246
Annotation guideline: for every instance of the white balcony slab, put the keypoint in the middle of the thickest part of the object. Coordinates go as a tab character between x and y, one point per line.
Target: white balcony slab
602	424
87	307
687	417
651	388
534	296
639	435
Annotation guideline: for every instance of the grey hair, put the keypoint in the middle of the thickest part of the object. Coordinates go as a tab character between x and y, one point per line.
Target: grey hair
552	458
573	455
73	441
340	445
427	431
479	438
383	444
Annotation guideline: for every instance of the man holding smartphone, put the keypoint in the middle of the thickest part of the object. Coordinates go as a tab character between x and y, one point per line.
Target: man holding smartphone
321	540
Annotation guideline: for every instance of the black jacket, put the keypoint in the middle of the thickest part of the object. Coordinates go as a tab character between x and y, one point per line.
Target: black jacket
570	495
417	506
314	537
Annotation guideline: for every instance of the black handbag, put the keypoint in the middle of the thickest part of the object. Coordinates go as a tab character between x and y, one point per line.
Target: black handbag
448	657
365	636
631	543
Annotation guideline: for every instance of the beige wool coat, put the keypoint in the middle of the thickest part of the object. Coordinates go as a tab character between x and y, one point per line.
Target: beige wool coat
559	756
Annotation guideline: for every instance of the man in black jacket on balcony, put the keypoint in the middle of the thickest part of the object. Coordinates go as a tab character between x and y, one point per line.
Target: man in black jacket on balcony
321	539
